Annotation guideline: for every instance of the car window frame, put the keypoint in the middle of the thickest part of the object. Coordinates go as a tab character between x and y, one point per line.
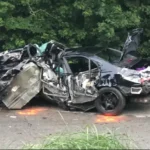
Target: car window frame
79	56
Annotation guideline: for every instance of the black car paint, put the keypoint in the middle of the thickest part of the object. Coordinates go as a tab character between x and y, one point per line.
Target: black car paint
109	76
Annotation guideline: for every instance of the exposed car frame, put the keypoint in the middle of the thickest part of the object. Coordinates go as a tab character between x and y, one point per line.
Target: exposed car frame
109	78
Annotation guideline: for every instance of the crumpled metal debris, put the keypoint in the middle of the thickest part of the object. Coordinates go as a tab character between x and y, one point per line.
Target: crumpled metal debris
23	87
21	72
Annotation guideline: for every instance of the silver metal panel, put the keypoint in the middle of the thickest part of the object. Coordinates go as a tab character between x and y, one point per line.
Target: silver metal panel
25	86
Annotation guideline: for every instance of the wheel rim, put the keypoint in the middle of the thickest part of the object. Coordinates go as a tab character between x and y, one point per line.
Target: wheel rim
109	101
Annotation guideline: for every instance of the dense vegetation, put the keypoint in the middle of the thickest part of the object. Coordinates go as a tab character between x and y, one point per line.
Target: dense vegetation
73	22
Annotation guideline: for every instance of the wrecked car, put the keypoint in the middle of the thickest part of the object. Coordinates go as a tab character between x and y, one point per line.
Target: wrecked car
73	80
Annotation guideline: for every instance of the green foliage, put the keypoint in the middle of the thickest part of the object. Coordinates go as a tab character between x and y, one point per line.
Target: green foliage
73	22
83	140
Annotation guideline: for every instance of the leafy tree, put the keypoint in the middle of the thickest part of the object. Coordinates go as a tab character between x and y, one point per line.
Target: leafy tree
73	22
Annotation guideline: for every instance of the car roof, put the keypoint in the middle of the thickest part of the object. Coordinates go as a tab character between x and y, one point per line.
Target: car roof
83	51
76	53
105	65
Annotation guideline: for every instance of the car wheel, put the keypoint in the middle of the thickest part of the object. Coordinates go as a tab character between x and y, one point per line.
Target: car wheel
110	102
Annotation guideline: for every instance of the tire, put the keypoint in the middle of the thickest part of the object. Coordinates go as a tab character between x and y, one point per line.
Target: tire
110	102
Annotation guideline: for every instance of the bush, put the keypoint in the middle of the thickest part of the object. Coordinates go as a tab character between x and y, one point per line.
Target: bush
81	140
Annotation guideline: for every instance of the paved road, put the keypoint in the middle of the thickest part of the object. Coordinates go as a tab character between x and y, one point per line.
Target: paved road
33	123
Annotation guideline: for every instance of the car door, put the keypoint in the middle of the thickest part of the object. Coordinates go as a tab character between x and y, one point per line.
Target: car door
81	80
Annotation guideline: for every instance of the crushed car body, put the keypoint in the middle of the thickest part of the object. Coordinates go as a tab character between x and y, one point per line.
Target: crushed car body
23	87
70	78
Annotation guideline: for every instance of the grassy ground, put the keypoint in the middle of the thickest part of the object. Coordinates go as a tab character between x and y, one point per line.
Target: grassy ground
82	140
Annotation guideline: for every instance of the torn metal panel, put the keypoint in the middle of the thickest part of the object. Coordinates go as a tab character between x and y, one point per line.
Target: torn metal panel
7	76
55	90
52	86
81	89
25	86
133	40
48	74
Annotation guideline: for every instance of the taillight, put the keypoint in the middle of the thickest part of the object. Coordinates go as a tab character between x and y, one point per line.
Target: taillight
129	60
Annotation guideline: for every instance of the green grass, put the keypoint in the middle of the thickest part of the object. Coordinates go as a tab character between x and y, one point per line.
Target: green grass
82	140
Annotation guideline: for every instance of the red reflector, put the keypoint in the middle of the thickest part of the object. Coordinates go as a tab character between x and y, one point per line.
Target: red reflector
129	60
